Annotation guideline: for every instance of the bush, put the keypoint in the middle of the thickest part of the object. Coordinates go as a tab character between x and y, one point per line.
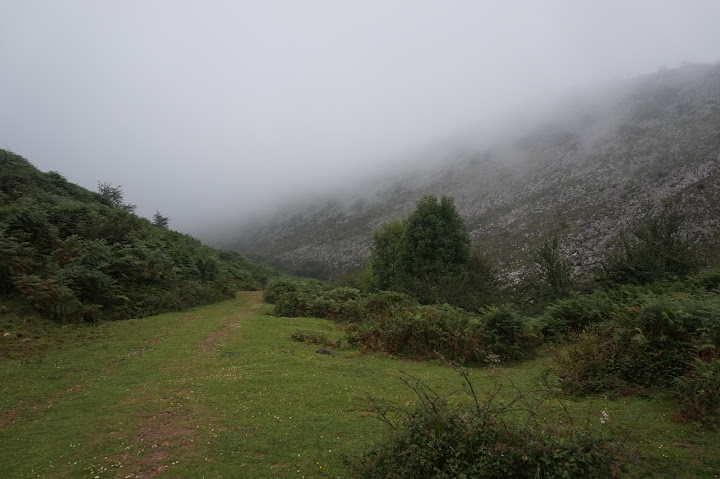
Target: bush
423	332
699	393
396	324
508	334
555	271
51	299
279	287
707	280
574	314
655	249
437	440
651	345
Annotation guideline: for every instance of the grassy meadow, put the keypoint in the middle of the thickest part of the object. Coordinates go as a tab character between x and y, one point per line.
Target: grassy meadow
224	391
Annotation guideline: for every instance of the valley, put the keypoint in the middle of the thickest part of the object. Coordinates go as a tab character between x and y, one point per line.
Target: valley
223	391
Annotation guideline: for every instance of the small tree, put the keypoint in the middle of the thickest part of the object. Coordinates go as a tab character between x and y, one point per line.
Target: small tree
115	195
554	268
435	242
160	221
386	249
654	249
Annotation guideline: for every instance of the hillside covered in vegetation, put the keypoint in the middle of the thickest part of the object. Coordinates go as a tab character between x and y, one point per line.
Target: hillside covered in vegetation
72	254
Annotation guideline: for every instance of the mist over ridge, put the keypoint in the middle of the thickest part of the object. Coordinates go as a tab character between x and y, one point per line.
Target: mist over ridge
585	174
216	112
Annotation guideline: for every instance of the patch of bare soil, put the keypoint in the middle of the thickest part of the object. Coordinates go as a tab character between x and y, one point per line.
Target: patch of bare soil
165	438
168	435
216	338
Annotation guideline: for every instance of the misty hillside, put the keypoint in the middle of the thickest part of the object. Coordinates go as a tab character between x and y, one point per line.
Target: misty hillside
71	254
584	174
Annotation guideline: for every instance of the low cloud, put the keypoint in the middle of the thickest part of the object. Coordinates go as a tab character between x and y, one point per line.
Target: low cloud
212	112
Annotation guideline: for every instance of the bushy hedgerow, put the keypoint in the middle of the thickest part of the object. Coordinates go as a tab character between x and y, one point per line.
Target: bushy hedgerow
439	441
396	324
426	332
707	280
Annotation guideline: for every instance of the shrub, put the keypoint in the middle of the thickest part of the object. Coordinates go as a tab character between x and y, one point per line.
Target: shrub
437	440
50	298
422	332
651	345
708	280
554	270
655	248
508	334
396	324
699	392
576	313
277	288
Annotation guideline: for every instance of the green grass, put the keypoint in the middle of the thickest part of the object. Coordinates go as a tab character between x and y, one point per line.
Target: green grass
223	391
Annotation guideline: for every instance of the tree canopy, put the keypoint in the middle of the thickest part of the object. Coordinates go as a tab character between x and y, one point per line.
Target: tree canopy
435	242
386	251
428	256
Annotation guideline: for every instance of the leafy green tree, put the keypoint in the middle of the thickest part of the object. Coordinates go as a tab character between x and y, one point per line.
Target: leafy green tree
115	195
160	221
386	249
554	268
435	242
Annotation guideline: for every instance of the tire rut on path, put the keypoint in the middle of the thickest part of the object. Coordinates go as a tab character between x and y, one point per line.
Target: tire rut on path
168	434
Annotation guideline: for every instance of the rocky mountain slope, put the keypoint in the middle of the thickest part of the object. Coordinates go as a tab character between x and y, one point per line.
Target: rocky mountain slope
584	174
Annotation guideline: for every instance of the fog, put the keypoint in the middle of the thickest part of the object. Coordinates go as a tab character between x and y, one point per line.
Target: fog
216	111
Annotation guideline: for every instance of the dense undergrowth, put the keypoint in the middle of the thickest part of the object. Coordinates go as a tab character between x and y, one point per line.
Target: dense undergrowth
648	323
654	339
72	255
397	324
620	340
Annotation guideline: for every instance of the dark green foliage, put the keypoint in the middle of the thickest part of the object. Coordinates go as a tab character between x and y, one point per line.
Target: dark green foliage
74	254
423	332
509	335
651	343
160	221
574	314
277	288
428	257
115	196
482	440
655	249
386	249
708	280
16	257
554	270
435	242
699	393
471	290
396	324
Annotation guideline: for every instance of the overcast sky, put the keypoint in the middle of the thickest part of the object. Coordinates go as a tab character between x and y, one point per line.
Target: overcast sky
209	110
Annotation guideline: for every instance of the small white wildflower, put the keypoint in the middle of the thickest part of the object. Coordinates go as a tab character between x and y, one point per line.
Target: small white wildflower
605	416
